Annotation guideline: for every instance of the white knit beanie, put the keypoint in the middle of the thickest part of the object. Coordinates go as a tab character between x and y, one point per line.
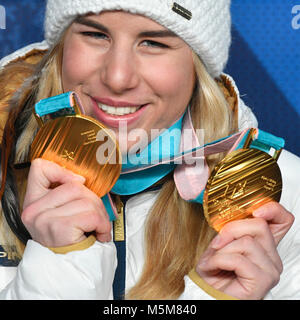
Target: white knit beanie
203	24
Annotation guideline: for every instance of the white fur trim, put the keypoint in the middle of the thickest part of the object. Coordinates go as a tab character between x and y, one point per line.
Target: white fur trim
22	52
246	118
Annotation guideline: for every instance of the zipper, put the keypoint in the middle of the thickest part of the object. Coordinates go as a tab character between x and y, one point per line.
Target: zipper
120	243
119	230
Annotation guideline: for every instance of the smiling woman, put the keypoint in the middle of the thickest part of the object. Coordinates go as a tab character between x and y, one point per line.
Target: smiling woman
129	76
144	67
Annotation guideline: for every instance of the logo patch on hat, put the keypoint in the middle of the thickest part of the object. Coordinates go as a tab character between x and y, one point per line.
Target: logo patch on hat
182	11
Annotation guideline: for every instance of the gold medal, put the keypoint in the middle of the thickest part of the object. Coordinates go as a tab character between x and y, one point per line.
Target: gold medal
242	182
73	142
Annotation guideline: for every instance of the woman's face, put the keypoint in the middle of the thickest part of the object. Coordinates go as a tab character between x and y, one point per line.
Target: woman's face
128	70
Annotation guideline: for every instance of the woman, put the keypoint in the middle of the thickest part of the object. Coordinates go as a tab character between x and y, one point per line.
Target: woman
140	64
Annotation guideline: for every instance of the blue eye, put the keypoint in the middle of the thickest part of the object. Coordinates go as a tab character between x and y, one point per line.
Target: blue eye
155	44
94	34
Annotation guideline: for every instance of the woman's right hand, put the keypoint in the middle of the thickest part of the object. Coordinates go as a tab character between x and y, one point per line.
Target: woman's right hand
61	216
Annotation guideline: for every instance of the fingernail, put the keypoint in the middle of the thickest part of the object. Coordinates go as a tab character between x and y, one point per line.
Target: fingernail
105	238
258	213
203	262
79	177
216	242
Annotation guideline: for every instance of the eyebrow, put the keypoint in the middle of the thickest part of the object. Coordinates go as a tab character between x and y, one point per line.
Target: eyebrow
150	34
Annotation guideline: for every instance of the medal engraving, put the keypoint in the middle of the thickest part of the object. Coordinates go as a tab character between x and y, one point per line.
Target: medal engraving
242	182
91	137
270	184
68	155
71	142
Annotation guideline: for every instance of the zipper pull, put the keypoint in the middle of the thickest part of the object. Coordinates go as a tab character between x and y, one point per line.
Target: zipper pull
119	230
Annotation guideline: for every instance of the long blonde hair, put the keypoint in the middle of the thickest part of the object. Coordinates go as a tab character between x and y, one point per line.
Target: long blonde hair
39	81
176	232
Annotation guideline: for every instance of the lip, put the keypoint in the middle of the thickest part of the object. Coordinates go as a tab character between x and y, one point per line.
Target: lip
113	121
115	103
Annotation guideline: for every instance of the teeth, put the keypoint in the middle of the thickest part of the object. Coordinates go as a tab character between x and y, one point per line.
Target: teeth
118	111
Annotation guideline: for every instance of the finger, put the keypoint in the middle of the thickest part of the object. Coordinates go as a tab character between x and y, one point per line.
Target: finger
236	275
247	245
252	249
254	227
76	207
41	220
46	172
94	222
63	194
65	230
42	174
104	237
235	262
210	250
279	219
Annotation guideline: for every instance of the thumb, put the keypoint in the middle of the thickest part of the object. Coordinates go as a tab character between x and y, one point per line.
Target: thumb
42	175
279	219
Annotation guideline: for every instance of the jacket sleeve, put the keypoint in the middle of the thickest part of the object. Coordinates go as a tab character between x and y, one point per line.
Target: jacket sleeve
198	289
78	275
289	247
288	287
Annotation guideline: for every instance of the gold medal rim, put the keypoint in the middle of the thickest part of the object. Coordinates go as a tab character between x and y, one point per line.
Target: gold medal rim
215	171
79	117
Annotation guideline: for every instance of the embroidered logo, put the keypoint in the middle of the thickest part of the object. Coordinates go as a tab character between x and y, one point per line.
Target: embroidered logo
182	11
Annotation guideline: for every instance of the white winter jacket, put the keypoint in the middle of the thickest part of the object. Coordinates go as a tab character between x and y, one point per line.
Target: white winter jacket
89	273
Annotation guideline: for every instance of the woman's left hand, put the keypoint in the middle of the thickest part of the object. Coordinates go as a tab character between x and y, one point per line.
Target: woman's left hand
242	260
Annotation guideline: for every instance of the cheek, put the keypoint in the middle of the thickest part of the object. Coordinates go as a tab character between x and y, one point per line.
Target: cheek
74	66
173	82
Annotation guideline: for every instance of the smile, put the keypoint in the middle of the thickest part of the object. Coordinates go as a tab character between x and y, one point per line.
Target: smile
110	112
118	111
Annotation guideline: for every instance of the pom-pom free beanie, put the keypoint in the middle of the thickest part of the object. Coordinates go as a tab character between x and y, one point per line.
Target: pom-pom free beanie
203	24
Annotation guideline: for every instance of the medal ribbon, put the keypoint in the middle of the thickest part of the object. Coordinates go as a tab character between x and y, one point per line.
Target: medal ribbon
184	154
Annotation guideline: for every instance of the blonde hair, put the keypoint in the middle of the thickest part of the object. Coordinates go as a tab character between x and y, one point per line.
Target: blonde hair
176	232
40	81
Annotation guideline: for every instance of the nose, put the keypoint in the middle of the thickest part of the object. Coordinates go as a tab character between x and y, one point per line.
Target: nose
119	72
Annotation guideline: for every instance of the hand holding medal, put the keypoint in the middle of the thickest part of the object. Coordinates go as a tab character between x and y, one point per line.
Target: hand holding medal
243	181
242	260
69	175
73	140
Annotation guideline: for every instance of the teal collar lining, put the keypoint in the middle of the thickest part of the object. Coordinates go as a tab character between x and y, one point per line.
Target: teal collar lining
135	182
